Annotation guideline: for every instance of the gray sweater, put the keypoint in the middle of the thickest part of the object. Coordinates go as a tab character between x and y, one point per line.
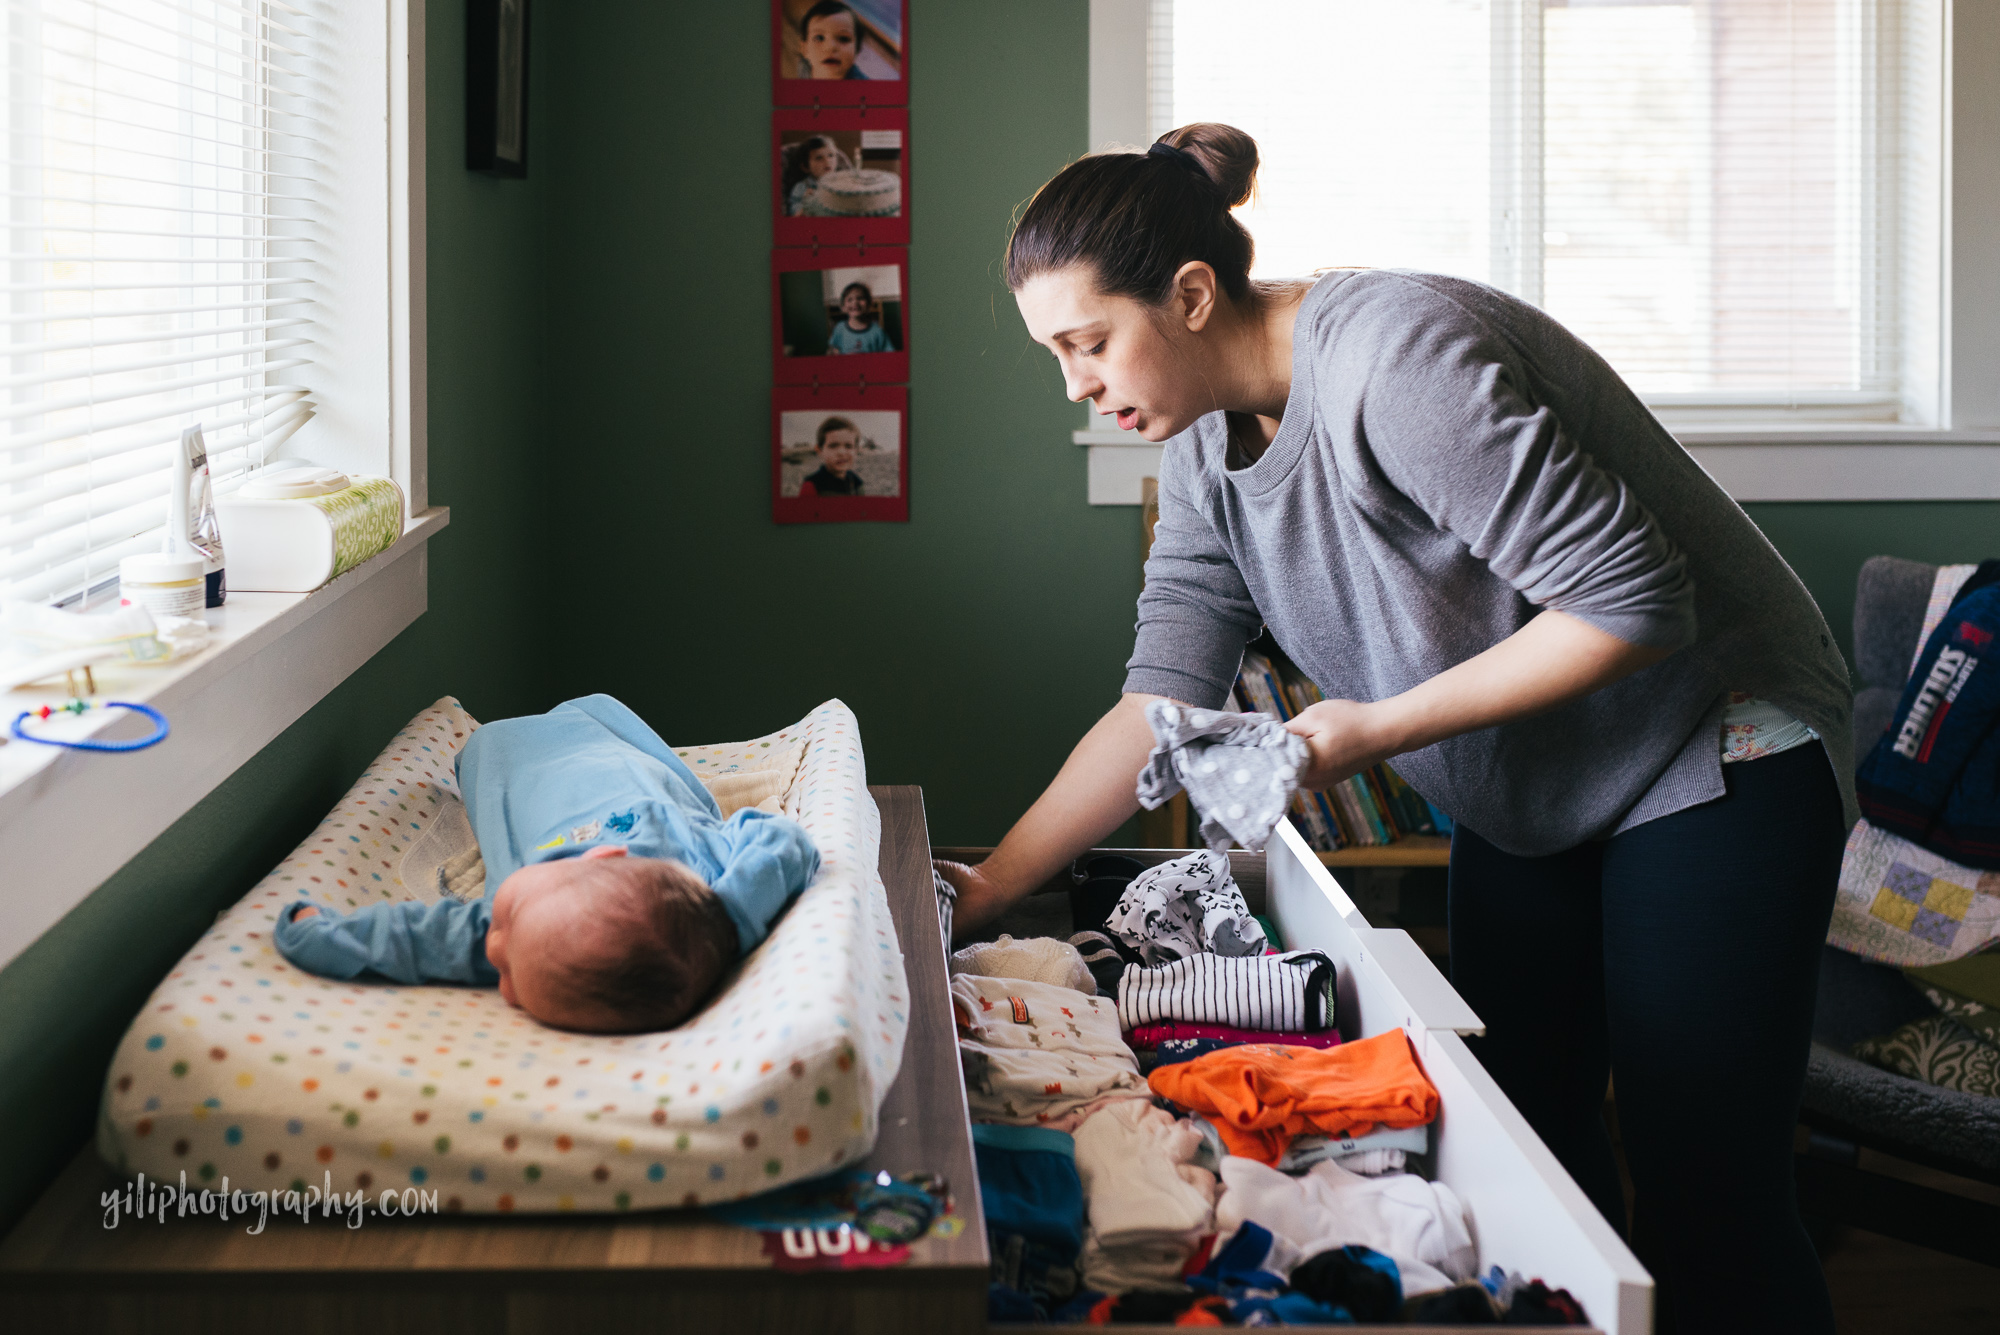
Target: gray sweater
1450	462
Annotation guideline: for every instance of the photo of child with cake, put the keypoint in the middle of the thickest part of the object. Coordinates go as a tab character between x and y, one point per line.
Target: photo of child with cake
840	173
840	176
845	453
842	312
840	39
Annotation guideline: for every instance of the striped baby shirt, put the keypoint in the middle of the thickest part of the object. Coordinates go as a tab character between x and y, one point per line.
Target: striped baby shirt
1291	991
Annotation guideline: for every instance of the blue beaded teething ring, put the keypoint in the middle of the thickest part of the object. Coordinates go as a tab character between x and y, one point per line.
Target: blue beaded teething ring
159	733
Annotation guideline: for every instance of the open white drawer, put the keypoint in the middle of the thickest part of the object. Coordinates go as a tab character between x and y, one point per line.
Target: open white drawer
1526	1213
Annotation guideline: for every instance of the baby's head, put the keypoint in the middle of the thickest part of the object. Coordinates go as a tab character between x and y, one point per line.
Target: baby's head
837	443
831	33
607	943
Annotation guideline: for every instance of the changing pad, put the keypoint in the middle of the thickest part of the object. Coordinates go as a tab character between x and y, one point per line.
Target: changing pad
240	1065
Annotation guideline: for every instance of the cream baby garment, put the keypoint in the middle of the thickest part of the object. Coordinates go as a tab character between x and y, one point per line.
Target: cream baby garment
1035	1054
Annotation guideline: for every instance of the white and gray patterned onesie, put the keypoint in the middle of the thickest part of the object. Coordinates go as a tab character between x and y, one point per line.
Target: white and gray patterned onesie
1186	907
1239	770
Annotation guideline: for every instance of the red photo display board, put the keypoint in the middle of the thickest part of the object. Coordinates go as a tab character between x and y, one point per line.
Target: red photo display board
840	453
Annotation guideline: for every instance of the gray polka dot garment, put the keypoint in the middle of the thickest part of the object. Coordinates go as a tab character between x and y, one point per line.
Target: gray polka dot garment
1239	770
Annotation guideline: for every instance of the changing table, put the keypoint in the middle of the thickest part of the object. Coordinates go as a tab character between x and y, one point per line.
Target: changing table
60	1269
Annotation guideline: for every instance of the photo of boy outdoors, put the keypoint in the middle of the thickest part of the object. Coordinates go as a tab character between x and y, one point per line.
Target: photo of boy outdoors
834	40
858	329
839	441
849	453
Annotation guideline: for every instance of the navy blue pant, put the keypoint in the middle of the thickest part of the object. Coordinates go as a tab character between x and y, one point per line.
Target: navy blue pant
1680	957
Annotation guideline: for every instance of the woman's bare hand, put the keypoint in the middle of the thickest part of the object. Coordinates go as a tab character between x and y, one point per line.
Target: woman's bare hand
1343	737
980	901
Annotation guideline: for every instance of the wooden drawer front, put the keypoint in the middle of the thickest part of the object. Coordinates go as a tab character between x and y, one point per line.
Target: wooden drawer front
1527	1213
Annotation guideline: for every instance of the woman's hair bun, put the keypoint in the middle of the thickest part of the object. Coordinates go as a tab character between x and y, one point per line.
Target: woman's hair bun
1132	220
1228	155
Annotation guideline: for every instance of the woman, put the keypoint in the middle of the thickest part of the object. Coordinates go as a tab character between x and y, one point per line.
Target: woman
1502	571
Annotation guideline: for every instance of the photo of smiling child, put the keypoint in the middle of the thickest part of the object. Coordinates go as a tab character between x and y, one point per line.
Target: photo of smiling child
858	329
840	40
845	453
841	312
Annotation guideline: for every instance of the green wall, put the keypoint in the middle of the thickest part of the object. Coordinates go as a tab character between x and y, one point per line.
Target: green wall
599	424
976	642
1827	542
65	1002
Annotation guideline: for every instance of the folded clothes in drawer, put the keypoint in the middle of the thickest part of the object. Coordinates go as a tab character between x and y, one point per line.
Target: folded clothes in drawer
1484	1221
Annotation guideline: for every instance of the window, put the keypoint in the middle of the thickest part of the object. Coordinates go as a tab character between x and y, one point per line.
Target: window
163	239
214	214
1738	204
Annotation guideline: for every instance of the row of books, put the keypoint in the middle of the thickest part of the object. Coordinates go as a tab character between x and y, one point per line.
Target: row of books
1370	809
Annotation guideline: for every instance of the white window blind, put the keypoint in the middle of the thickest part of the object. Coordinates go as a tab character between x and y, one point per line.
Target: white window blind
161	265
1735	201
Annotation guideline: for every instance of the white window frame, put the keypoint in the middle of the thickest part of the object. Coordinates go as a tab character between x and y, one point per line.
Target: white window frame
1780	457
68	820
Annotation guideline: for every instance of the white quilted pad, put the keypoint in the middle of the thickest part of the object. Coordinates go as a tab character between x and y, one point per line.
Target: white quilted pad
242	1066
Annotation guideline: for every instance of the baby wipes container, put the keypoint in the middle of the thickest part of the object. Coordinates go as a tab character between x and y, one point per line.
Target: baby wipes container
291	530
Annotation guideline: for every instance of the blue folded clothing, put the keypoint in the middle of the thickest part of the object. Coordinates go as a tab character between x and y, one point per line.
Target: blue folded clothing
1033	1199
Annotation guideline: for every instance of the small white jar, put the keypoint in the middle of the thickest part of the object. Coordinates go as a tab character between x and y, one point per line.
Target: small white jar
165	584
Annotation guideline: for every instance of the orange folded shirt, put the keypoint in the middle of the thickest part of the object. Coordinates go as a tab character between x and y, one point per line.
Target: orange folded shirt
1261	1095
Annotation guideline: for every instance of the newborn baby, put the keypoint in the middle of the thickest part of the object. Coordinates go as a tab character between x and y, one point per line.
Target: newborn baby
616	894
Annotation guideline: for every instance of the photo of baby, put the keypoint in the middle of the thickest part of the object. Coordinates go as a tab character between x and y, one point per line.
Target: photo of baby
840	40
845	453
841	312
840	173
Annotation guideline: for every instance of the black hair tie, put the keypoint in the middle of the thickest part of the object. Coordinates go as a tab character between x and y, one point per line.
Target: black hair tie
1183	157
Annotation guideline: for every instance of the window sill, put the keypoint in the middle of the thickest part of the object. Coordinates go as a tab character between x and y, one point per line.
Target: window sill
69	819
1862	462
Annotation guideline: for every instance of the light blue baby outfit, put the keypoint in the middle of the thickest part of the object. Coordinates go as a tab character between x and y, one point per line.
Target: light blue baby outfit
587	773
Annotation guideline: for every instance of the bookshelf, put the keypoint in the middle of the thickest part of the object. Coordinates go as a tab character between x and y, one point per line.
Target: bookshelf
1412	850
1171	826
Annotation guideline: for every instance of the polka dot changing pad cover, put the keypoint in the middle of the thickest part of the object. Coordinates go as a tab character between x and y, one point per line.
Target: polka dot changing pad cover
242	1066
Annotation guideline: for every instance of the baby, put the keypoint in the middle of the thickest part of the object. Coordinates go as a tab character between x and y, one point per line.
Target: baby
836	444
831	34
857	329
616	894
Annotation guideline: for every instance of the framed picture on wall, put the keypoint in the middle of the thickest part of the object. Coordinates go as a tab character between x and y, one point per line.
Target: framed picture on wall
840	315
841	176
840	53
840	453
496	87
